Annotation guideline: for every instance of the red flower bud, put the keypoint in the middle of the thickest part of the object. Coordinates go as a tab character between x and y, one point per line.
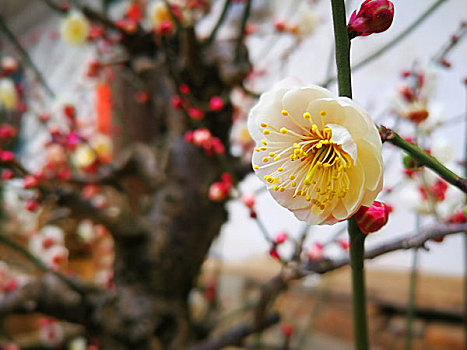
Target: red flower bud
195	113
274	254
31	205
374	16
371	219
7	174
248	199
7	131
287	330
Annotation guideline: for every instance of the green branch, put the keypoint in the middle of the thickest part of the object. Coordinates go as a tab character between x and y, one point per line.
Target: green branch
357	256
342	41
423	158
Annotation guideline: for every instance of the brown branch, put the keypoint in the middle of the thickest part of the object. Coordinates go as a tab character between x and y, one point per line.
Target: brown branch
235	336
411	241
46	295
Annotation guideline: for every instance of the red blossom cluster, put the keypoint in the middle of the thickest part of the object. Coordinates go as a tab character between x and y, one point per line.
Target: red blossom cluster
204	139
219	191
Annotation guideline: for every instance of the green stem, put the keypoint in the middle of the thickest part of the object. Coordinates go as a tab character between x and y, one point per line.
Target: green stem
423	158
357	250
219	22
341	38
11	37
241	34
357	238
397	39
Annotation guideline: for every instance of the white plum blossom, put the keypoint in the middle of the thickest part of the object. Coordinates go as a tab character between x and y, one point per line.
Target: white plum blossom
320	155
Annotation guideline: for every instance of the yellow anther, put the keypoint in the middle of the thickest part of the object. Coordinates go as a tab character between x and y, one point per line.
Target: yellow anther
284	131
277	158
256	167
297	151
271	154
280	169
257	149
296	145
307	182
293	184
292	177
264	143
323	113
266	131
293	157
265	159
306	115
266	177
308	198
327	130
263	125
285	113
263	148
270	180
276	188
281	189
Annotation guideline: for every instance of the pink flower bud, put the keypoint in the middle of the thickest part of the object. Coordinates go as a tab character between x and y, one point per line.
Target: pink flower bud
177	102
7	174
281	237
7	131
249	199
184	89
6	156
69	111
30	181
216	103
371	219
374	16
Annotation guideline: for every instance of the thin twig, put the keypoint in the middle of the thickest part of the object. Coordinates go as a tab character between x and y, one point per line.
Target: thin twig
416	240
235	336
25	55
219	22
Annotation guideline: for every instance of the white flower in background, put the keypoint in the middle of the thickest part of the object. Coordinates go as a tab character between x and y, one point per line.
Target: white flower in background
83	156
75	29
307	19
158	13
320	155
79	343
8	94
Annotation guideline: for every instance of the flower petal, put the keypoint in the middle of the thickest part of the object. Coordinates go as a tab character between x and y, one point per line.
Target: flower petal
268	109
353	198
372	163
341	136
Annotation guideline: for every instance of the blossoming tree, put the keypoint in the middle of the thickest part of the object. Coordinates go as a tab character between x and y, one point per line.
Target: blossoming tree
144	184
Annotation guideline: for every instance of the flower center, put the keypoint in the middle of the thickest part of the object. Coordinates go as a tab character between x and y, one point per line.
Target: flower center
317	166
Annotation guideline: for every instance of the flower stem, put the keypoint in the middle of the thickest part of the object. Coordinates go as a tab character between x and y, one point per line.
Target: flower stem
357	238
357	250
423	158
341	38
